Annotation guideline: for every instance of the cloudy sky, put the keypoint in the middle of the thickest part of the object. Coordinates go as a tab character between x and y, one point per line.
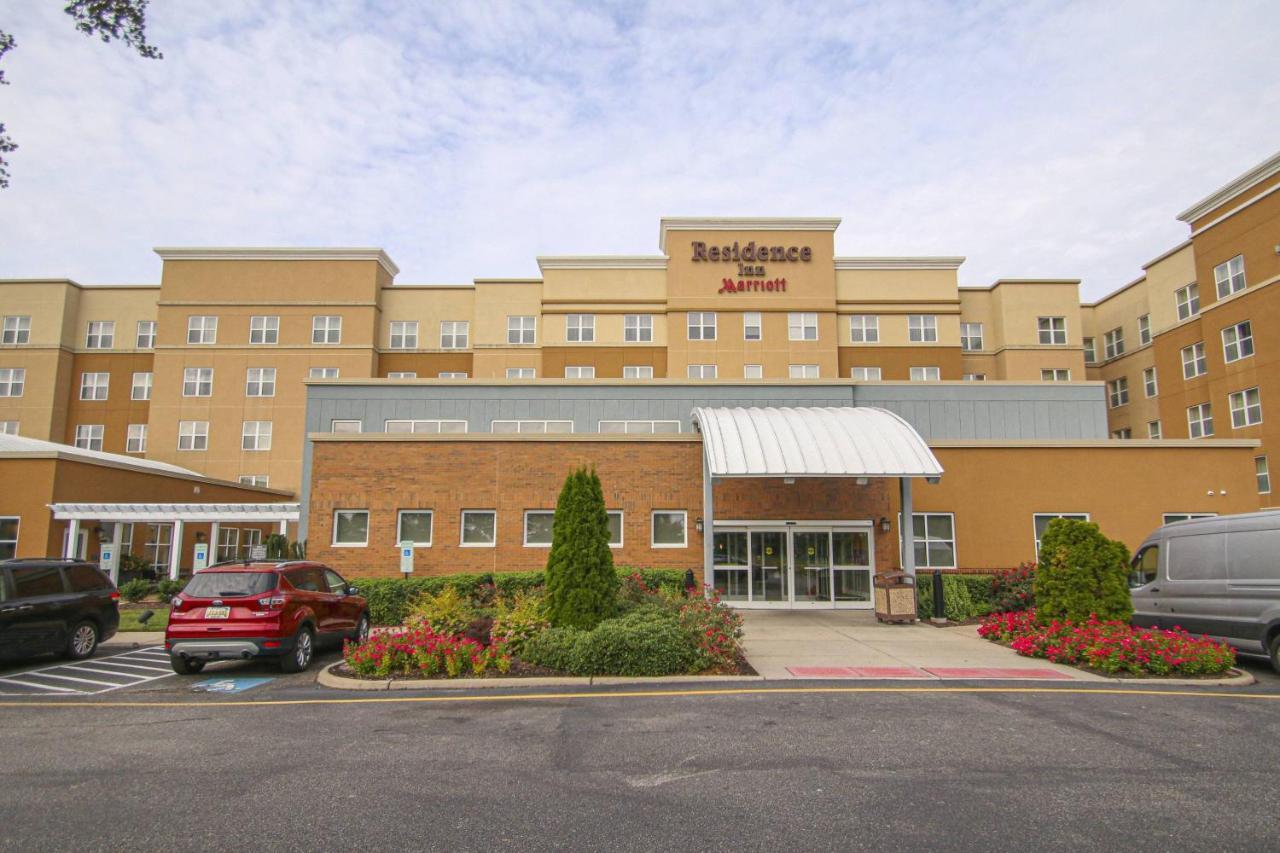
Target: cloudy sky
1038	139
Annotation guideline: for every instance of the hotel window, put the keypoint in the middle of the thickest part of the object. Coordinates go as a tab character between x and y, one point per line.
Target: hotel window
1263	473
701	371
346	426
752	371
197	382
925	374
100	335
425	426
9	537
638	427
636	328
1187	300
802	371
93	386
1200	420
322	373
1040	523
702	325
415	525
802	326
444	374
1123	432
637	371
971	337
1118	392
89	436
8	427
1149	385
479	528
202	329
1175	517
141	389
351	527
1246	408
530	426
12	380
326	329
865	374
17	330
864	328
404	334
228	543
1154	431
1055	374
934	538
1113	343
402	374
521	373
974	377
1229	276
668	529
580	328
264	330
1090	351
1237	341
751	327
193	435
1193	361
454	334
922	328
136	439
522	329
537	527
255	435
615	528
1144	330
259	480
1052	330
158	545
579	371
260	382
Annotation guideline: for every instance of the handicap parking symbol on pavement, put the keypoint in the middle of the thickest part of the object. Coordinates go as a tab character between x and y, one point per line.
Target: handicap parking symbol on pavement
228	685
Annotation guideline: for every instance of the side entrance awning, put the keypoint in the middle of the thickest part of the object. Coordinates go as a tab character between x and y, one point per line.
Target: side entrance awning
194	512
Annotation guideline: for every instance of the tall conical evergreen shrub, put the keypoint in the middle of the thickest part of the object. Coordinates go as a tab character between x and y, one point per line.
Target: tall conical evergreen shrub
582	585
1081	572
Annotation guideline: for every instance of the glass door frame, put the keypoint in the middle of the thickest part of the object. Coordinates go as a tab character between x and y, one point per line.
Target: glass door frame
789	528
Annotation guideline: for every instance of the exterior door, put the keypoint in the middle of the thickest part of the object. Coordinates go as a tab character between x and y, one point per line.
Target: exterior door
811	565
770	569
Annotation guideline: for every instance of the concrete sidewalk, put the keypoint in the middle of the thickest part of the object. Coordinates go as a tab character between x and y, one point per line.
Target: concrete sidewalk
776	642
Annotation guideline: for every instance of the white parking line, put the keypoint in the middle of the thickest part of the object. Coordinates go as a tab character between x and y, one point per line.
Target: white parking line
11	680
144	659
73	678
120	663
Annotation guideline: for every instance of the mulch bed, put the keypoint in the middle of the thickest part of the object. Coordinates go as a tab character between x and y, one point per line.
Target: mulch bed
520	669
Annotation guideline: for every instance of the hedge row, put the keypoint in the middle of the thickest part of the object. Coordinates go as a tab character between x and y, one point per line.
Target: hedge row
964	596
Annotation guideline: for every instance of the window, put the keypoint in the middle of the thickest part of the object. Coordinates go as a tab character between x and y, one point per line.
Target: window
970	337
17	330
255	435
1229	276
346	426
351	528
1123	432
974	377
37	582
752	371
1144	330
197	382
1246	408
637	371
425	426
864	328
579	328
579	371
701	371
12	380
141	389
1200	420
751	327
157	547
1040	523
1149	385
802	371
264	330
258	480
402	374
414	525
1113	343
668	529
454	334
802	326
450	374
1237	341
925	374
1175	517
636	329
1187	300
615	528
1193	361
1055	374
202	329
9	537
535	426
1052	330
193	435
260	382
404	334
322	373
922	328
89	436
537	528
865	374
934	536
523	372
228	543
8	427
1154	430
638	427
101	334
1263	474
702	325
326	329
93	386
136	439
479	528
522	330
1090	351
1118	392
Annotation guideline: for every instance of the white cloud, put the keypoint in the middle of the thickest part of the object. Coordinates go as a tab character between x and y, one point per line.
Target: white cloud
1055	140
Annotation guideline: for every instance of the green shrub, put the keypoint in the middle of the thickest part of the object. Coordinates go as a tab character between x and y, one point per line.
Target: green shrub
979	589
136	590
448	613
168	589
644	642
1081	573
518	620
514	584
552	648
582	583
957	602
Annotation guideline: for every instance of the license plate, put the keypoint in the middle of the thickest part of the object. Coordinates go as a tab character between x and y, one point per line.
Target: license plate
217	612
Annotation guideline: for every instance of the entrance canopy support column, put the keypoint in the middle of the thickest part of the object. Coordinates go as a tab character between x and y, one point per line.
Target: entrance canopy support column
117	536
708	524
907	528
175	550
69	550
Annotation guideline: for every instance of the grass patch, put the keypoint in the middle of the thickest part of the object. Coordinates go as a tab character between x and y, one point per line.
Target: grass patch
129	620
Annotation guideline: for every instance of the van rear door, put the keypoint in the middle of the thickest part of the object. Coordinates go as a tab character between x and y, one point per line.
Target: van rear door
1253	578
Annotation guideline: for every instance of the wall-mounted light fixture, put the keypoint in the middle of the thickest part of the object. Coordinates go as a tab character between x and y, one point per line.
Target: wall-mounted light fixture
200	537
933	481
884	524
697	525
788	481
862	481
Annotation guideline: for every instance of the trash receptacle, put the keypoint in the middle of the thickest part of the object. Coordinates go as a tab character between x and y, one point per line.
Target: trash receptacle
895	597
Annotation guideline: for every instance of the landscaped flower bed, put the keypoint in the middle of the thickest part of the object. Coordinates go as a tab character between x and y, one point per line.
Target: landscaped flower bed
1110	647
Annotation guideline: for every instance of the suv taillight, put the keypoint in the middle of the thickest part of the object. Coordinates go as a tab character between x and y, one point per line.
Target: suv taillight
115	595
271	602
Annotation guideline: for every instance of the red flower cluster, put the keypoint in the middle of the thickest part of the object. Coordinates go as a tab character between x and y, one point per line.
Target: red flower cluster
421	652
1111	647
1014	589
714	627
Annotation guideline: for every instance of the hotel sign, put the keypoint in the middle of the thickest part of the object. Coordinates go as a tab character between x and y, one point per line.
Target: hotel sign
750	260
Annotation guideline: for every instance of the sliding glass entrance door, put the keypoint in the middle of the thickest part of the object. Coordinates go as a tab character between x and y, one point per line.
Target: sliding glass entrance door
811	564
803	564
770	572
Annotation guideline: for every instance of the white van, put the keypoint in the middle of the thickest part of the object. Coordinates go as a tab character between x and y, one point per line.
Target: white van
1218	576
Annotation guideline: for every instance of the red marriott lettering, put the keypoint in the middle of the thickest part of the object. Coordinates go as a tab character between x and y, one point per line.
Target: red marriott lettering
773	285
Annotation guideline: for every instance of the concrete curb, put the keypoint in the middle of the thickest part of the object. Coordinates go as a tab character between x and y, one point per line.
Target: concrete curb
1240	679
327	678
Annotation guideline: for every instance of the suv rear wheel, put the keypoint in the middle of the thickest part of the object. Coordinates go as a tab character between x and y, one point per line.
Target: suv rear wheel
185	666
304	647
82	640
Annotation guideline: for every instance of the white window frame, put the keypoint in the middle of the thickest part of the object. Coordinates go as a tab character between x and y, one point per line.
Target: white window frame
534	426
1123	432
462	528
922	328
1150	382
802	326
326	329
1197	417
402	334
579	371
522	329
864	328
266	328
926	373
135	438
954	540
431	526
1055	374
1113	343
255	435
974	377
653	523
196	434
13	381
1236	339
532	512
1186	301
580	328
1090	347
194	381
971	337
1155	430
869	374
802	371
89	435
8	428
638	427
402	374
345	423
100	334
1229	276
1144	330
701	371
95	386
265	382
637	371
1194	361
1262	474
1078	516
320	372
451	374
428	426
1244	404
522	373
636	328
1175	517
202	329
1118	392
257	480
622	528
352	543
1052	331
701	325
140	389
11	544
753	371
455	334
751	321
17	329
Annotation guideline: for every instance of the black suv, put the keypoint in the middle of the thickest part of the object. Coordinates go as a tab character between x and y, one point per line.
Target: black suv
65	606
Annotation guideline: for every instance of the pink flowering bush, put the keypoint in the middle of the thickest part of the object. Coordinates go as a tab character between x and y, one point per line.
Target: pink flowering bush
1112	647
1014	589
715	629
420	652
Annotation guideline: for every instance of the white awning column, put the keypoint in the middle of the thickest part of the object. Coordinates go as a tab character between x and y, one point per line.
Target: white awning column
73	535
708	525
116	536
214	533
907	531
175	549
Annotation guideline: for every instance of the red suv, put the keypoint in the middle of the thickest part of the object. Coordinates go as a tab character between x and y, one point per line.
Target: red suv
237	611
